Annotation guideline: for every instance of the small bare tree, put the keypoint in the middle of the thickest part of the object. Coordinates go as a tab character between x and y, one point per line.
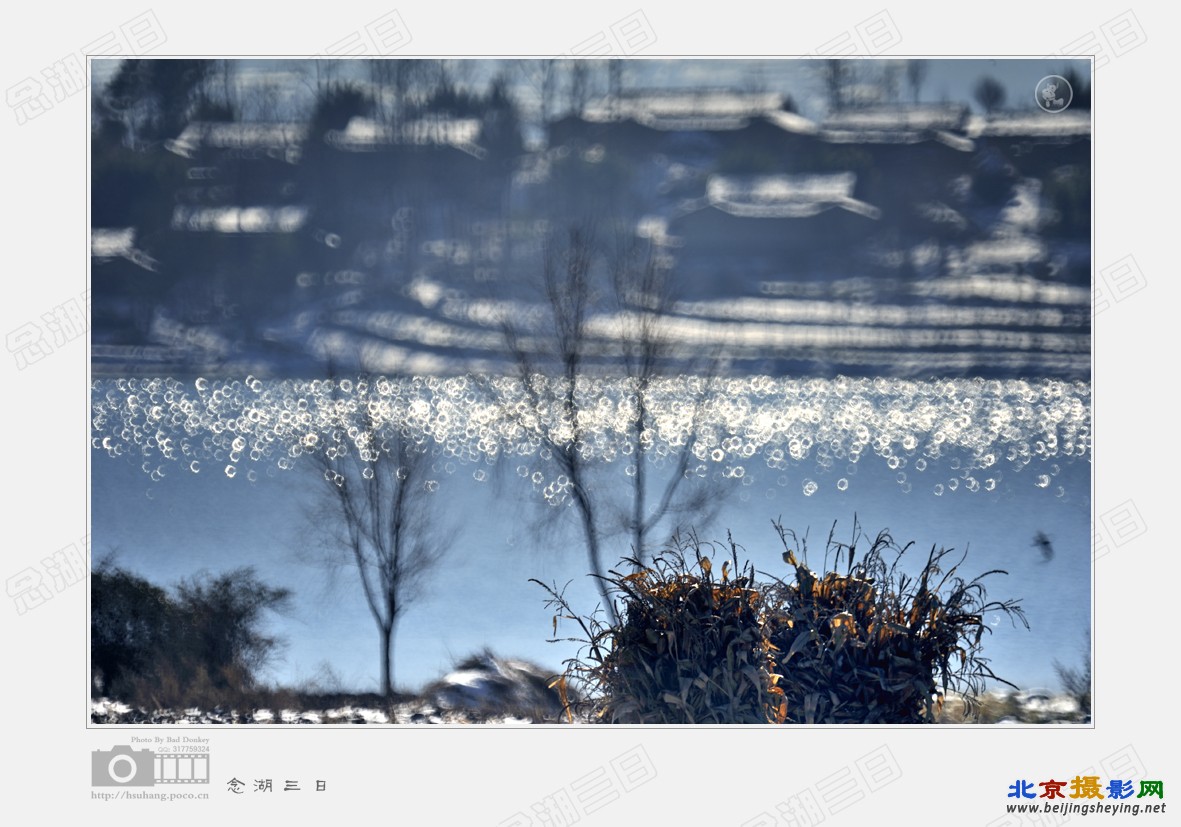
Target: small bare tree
580	70
400	87
838	76
989	93
644	300
544	77
553	404
377	509
559	365
916	74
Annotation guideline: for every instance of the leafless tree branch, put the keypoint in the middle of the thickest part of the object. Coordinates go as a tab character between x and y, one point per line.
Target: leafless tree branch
377	511
559	363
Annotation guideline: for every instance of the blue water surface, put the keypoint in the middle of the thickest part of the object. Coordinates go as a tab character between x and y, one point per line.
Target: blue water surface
199	476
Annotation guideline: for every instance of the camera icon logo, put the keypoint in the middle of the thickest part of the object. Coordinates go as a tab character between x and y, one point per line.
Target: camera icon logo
123	766
1053	93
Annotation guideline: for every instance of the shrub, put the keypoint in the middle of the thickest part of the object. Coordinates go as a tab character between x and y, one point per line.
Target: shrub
1076	682
872	645
130	625
221	618
875	645
201	646
690	647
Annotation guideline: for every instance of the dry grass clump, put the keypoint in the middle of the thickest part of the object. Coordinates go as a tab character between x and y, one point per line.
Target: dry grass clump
690	647
870	645
874	644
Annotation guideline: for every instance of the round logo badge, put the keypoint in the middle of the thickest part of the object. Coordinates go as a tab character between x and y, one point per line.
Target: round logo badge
1053	93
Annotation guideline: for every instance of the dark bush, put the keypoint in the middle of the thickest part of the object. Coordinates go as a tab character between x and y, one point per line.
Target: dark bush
876	645
690	647
221	619
872	645
202	646
130	626
1076	682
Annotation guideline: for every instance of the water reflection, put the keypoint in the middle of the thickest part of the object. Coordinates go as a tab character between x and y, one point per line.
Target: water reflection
392	219
976	429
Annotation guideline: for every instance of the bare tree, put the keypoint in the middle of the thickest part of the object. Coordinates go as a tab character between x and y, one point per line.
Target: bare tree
543	77
552	404
560	364
549	83
916	73
377	509
614	84
382	75
579	86
399	87
890	80
220	88
461	73
325	70
989	94
838	77
156	98
644	299
402	87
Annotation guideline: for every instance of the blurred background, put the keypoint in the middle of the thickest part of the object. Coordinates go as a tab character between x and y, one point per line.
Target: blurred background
705	293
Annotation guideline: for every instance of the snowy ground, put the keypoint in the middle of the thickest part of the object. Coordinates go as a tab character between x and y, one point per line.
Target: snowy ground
483	689
486	689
